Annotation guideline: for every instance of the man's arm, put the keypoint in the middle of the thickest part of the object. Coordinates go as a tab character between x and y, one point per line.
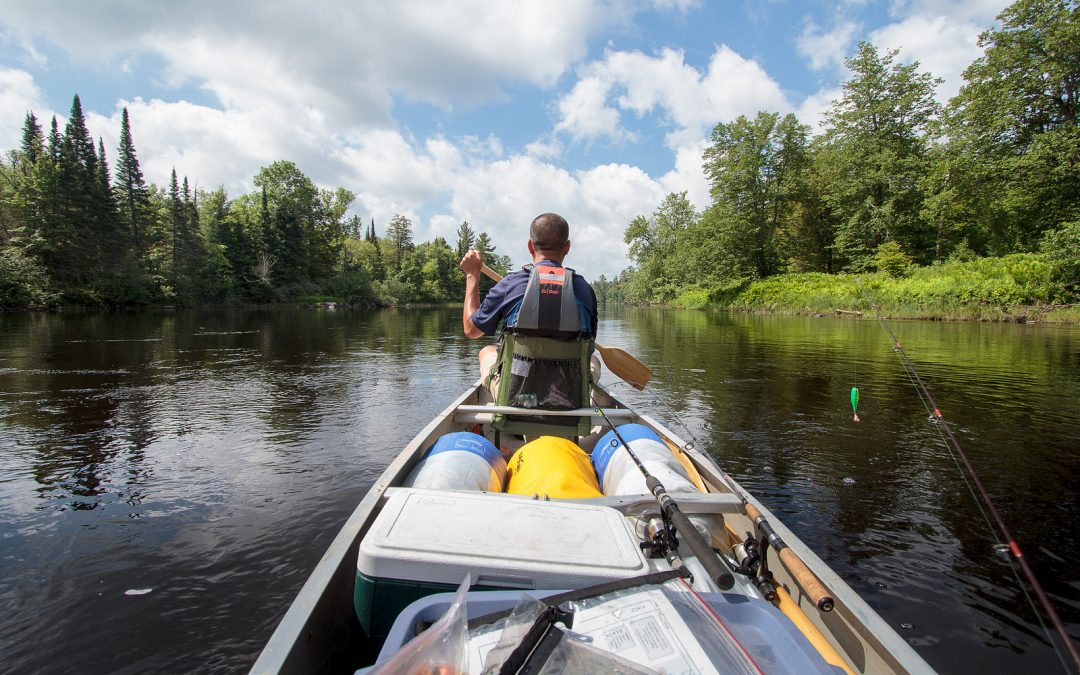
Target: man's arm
470	265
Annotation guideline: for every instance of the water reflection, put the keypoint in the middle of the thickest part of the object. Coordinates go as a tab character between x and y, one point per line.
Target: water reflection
884	502
211	456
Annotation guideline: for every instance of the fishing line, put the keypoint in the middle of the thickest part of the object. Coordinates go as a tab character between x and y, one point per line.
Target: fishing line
820	596
945	430
715	566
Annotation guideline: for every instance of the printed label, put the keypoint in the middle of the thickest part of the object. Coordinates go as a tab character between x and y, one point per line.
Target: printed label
520	367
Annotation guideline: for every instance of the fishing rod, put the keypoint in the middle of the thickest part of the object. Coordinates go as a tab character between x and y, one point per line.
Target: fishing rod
716	566
1013	546
806	579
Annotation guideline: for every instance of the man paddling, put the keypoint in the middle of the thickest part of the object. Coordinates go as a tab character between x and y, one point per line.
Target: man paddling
545	315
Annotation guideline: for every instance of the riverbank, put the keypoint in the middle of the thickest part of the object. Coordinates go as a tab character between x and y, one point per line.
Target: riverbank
1020	288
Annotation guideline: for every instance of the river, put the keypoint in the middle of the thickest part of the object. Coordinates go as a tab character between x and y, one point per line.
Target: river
168	480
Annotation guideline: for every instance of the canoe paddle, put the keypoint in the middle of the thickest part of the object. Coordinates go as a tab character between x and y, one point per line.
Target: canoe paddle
620	362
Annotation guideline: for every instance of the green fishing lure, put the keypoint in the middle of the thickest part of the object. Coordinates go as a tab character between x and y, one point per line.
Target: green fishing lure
855	403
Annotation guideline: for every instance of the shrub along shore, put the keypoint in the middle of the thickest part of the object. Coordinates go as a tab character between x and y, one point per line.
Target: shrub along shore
1018	288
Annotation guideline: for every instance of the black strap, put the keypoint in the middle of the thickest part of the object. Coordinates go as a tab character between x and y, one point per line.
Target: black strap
540	640
591	592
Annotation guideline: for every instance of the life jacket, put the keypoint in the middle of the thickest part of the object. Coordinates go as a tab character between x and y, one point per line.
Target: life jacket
545	345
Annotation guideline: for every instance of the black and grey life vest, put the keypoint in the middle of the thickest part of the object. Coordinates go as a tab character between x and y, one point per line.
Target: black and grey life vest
549	307
545	345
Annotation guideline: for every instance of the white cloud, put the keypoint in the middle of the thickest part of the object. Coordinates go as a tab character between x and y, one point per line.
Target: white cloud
680	5
942	35
390	173
683	96
345	58
211	146
585	114
544	148
688	175
982	12
502	197
317	83
18	96
826	49
942	38
813	108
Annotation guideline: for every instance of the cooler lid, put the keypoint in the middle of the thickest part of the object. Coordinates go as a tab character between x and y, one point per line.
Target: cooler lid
502	540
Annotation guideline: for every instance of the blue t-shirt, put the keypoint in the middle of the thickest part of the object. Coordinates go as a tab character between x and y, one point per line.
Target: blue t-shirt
505	295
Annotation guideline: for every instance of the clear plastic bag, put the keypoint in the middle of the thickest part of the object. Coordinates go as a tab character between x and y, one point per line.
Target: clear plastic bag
570	654
645	629
439	650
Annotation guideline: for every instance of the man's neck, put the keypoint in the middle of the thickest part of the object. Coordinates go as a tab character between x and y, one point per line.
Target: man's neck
538	258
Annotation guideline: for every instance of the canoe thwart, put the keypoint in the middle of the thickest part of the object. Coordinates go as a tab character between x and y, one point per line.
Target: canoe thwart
613	413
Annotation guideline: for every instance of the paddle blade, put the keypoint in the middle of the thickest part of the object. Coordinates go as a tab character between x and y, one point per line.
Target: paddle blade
625	366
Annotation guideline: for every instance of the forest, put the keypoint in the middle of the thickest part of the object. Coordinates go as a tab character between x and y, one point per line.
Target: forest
973	201
72	232
979	198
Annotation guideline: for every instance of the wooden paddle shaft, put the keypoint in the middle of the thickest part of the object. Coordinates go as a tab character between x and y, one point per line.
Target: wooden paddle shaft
794	564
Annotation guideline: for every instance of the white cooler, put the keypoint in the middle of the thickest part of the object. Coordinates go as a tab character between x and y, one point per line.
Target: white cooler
424	542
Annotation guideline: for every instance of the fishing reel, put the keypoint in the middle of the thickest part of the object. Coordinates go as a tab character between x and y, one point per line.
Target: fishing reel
657	536
750	558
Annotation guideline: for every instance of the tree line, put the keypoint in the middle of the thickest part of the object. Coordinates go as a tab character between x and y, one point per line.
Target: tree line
74	232
894	180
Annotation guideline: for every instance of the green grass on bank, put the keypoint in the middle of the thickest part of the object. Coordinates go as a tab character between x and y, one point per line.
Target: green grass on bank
1019	287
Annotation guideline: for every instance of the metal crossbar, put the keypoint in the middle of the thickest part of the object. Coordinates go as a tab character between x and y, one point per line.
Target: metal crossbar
622	413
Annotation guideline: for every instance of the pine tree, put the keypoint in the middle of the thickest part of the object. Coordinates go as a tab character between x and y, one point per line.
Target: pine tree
29	161
77	141
73	231
32	146
176	215
400	234
49	193
378	271
188	252
111	243
54	142
102	176
131	190
465	239
487	254
484	246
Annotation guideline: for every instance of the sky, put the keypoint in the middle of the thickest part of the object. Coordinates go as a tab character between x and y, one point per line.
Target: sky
486	111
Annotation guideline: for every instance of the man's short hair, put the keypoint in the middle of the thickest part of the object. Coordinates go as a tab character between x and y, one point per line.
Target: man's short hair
549	232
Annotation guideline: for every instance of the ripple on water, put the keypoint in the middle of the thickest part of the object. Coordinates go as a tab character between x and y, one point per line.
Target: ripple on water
182	455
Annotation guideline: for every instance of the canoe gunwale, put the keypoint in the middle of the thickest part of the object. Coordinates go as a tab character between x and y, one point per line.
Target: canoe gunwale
306	633
897	654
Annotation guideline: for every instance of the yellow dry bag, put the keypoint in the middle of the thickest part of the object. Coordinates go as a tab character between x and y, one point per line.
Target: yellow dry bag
552	466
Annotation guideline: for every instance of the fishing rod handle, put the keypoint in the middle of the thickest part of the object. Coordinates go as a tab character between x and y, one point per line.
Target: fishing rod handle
806	579
703	551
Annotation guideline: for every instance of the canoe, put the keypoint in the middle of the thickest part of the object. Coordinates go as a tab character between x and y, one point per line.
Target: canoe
404	551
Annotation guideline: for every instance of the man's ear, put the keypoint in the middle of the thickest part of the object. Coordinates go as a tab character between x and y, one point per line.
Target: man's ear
532	250
567	249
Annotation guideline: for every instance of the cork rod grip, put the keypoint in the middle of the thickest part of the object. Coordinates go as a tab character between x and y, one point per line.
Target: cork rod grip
806	579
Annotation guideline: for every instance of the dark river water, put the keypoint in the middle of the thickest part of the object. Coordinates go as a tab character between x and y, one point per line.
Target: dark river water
169	480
